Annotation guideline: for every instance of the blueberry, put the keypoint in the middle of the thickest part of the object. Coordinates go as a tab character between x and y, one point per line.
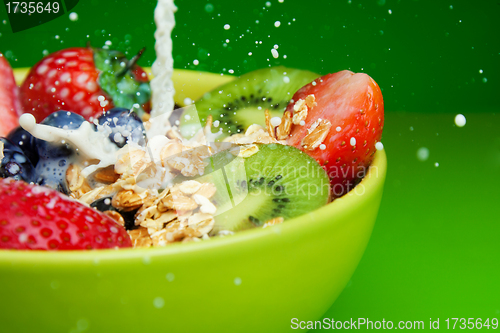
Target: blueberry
124	126
52	173
104	204
15	164
59	119
9	144
55	158
26	142
64	119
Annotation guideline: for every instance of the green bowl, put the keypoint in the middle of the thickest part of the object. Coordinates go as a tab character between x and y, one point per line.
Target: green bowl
256	280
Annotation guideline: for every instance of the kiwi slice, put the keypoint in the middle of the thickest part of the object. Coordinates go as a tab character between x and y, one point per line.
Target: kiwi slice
276	181
241	103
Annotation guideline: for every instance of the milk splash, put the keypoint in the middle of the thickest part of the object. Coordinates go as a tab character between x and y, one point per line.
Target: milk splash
161	86
90	144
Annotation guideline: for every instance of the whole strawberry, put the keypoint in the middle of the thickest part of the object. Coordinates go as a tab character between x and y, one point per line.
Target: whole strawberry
87	81
38	218
339	119
10	106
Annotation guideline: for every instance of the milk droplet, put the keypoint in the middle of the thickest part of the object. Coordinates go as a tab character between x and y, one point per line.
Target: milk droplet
23	238
216	123
82	324
73	16
302	123
237	281
170	277
227	26
436	164
209	8
422	154
195	62
353	141
275	121
158	302
188	101
338	129
460	120
286	79
322	146
379	146
27	121
275	53
277	24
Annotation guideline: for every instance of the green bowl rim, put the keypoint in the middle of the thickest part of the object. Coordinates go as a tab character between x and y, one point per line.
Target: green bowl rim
374	178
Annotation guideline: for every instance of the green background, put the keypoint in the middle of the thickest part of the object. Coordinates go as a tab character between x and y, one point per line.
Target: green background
435	249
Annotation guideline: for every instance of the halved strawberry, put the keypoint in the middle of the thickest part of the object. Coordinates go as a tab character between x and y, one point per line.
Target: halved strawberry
38	218
351	106
10	106
84	80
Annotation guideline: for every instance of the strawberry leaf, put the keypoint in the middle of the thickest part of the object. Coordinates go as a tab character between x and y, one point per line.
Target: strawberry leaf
119	82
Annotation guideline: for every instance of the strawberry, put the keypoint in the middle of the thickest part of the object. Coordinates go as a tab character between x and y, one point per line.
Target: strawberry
38	218
10	106
352	104
87	81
